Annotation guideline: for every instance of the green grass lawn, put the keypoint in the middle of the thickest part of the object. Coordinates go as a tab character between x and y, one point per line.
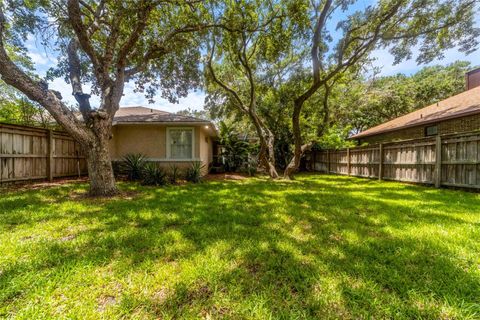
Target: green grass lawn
318	247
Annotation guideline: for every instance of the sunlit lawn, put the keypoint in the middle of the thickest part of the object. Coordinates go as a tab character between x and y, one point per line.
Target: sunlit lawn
318	247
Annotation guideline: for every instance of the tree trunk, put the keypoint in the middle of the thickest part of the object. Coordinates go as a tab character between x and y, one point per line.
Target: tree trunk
297	139
270	145
100	171
267	140
295	162
267	162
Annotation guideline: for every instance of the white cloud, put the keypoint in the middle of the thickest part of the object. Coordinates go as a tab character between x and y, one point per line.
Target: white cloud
38	58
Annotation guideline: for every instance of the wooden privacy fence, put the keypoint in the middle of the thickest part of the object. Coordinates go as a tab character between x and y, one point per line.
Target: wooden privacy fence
28	153
452	160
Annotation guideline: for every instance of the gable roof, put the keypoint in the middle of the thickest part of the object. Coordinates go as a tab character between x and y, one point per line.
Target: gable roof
142	114
463	104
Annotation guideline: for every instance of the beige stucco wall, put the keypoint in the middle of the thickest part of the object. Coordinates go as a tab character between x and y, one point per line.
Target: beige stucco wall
205	144
151	140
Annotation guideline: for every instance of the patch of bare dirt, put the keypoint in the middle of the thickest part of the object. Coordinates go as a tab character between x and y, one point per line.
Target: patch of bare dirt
226	176
25	186
162	295
106	301
68	238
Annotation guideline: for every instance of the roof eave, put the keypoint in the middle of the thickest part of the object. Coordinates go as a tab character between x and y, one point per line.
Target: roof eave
175	123
459	115
163	122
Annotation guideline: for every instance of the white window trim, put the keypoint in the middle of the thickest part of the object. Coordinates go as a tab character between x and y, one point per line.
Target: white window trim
169	155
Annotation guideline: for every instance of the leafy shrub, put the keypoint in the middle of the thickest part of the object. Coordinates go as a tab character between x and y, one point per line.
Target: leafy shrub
251	167
234	150
194	173
174	174
118	168
153	175
133	165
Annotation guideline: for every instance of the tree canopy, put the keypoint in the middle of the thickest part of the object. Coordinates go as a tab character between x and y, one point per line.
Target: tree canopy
379	99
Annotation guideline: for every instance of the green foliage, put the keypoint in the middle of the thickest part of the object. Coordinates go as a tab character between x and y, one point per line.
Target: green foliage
366	103
235	151
335	138
162	40
251	167
319	247
133	164
154	175
200	114
15	107
194	173
174	174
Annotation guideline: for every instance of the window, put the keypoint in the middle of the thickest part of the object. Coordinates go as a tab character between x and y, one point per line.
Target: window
180	143
431	131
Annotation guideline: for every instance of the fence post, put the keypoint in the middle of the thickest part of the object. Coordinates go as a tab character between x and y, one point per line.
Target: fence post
328	161
50	155
348	161
438	162
314	159
380	164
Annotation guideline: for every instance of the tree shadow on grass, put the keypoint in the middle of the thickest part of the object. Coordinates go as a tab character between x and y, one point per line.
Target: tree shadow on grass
304	249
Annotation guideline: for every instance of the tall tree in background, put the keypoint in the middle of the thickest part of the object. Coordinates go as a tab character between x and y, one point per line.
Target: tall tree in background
242	49
105	43
380	99
395	24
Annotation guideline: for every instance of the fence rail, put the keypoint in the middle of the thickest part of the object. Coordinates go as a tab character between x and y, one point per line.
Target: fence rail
452	160
28	153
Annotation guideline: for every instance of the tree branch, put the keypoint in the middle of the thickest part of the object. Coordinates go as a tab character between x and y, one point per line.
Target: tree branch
76	81
38	91
316	61
137	31
75	16
223	85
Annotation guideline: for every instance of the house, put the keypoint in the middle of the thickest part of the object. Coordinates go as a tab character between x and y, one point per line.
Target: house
163	137
457	114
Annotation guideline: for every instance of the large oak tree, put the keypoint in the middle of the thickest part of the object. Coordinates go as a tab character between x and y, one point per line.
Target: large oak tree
104	44
342	35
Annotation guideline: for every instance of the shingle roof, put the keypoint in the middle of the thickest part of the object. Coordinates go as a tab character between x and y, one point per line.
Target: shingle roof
143	114
463	104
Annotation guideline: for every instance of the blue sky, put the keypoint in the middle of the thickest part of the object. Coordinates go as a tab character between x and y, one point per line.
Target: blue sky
44	59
